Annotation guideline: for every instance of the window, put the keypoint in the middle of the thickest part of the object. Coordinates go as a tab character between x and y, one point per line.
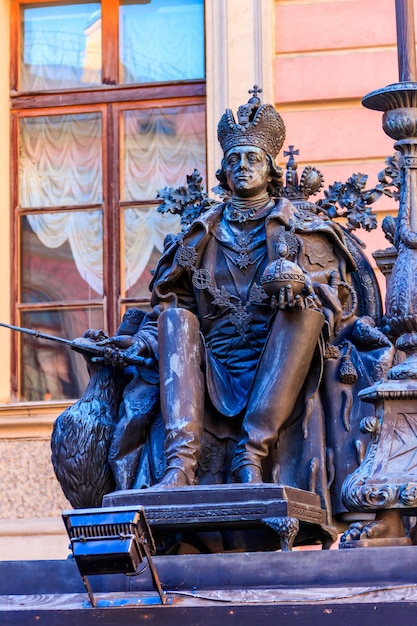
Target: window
108	106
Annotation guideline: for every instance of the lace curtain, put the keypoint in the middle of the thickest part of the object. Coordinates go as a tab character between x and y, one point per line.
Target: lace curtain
60	165
160	147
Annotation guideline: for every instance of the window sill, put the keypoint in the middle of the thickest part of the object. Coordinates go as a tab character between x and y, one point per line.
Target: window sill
30	420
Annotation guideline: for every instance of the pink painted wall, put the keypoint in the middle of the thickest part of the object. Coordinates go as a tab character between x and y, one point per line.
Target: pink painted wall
328	55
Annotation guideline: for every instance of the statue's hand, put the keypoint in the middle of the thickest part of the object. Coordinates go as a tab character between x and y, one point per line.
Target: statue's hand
120	348
118	341
95	335
288	301
138	347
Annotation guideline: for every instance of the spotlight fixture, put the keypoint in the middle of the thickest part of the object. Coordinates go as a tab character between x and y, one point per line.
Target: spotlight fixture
111	540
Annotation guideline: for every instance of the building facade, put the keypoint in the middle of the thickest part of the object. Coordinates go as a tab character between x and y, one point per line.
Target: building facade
315	59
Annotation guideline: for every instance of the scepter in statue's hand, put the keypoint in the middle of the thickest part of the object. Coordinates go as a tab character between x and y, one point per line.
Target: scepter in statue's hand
96	351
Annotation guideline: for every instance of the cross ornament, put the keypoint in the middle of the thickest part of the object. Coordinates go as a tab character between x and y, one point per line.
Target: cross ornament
291	152
255	91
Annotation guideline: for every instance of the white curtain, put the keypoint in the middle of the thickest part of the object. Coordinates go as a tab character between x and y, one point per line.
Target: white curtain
144	230
161	146
84	232
60	165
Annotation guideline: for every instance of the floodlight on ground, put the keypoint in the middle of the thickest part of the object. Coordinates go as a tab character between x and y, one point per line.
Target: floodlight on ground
111	540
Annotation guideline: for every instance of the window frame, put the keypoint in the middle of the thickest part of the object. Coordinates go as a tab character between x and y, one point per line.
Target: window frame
111	99
109	40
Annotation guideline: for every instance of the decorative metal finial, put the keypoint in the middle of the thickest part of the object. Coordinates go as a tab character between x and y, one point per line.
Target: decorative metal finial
292	178
255	90
255	98
310	182
246	111
291	152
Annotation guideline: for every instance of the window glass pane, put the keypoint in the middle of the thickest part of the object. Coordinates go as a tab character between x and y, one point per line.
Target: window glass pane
62	255
140	289
52	371
160	147
61	46
144	233
60	160
161	40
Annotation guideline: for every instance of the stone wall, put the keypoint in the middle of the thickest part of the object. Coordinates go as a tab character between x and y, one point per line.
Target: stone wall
31	499
29	487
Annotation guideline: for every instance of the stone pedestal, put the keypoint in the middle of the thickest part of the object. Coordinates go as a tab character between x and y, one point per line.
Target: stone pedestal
386	481
285	515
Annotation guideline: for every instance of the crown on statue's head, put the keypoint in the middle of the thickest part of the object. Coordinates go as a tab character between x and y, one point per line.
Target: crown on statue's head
310	182
258	125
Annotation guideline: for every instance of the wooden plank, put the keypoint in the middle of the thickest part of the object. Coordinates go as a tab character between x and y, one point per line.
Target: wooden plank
58	209
111	225
192	88
14	44
15	255
56	305
110	42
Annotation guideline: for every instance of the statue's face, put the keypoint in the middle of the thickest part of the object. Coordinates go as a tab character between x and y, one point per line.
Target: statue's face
247	171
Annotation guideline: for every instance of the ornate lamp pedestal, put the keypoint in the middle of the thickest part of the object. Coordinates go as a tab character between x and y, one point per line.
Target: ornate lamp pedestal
386	481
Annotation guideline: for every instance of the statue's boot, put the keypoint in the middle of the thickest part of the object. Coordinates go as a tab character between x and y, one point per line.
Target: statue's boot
182	394
282	371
